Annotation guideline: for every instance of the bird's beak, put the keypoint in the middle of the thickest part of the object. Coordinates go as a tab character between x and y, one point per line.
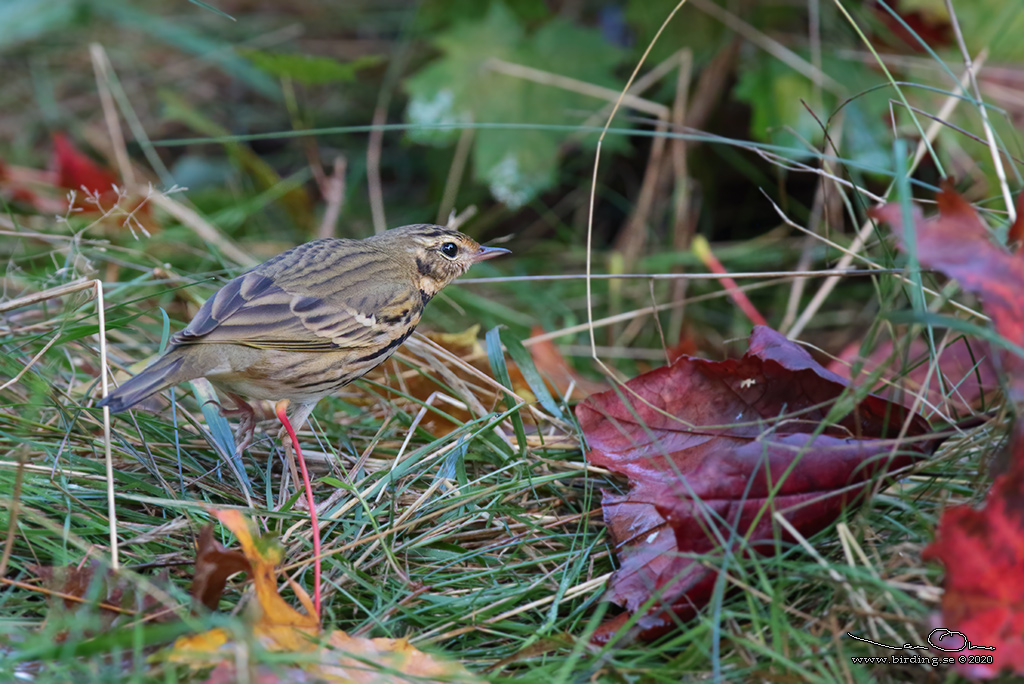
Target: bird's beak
489	253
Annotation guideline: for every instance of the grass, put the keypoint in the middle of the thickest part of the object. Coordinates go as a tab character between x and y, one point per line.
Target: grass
485	544
467	543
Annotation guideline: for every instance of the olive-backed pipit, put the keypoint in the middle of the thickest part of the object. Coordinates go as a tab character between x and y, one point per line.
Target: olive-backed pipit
311	320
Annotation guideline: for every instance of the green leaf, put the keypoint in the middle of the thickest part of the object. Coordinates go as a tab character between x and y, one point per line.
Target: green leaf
460	88
779	98
308	69
444	92
774	92
435	15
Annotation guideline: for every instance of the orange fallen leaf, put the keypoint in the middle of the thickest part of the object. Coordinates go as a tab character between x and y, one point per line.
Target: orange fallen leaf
556	371
327	656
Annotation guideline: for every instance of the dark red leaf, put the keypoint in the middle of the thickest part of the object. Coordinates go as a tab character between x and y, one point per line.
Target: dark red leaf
214	564
983	551
705	443
965	374
76	171
957	243
917	28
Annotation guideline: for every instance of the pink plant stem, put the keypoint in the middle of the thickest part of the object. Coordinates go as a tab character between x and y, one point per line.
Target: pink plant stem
703	251
282	415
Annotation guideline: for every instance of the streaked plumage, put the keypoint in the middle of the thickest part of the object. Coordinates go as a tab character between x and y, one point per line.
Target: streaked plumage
311	320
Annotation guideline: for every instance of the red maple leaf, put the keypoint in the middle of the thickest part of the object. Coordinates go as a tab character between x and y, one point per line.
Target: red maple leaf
983	551
77	172
713	449
958	243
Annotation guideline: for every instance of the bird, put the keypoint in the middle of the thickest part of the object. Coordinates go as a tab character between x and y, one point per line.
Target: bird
309	321
304	324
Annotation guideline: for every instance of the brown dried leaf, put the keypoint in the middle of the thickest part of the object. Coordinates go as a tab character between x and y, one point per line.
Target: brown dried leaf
214	564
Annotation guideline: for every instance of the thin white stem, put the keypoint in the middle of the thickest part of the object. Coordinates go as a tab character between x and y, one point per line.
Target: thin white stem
29	365
990	137
108	456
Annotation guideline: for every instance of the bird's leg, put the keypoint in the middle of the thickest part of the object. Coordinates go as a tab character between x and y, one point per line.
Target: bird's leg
301	413
247	423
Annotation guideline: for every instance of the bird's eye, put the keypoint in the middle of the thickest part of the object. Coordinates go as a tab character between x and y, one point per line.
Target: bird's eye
450	250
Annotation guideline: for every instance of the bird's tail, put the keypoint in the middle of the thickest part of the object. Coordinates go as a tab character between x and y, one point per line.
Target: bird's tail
159	375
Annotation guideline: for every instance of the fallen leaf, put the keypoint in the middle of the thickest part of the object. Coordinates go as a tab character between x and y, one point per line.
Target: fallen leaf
327	656
712	449
97	189
430	374
964	375
983	551
95	585
214	564
553	367
685	346
346	659
76	171
1015	234
958	243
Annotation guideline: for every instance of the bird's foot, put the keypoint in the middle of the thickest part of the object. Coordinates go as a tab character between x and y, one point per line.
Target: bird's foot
249	416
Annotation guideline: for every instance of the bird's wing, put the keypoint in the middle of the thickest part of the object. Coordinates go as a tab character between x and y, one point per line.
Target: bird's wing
255	310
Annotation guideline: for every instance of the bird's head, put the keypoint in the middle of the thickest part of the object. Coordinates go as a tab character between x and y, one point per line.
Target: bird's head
437	255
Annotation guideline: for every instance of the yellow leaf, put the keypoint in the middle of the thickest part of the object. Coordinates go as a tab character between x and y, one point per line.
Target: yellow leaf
382	661
264	557
191	649
332	657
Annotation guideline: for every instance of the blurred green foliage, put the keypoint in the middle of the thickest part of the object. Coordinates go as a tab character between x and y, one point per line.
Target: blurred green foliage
310	70
459	88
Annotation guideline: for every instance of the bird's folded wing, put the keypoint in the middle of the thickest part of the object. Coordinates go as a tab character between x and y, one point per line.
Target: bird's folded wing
255	311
